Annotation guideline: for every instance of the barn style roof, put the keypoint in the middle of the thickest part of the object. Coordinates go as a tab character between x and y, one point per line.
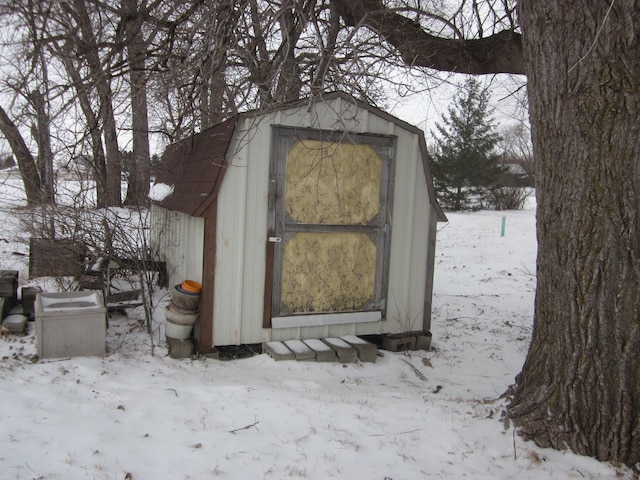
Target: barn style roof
194	167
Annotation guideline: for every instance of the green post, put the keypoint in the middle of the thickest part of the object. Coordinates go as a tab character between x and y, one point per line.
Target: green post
504	224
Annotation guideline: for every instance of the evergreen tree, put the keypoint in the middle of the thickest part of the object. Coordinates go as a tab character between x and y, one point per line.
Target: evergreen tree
465	162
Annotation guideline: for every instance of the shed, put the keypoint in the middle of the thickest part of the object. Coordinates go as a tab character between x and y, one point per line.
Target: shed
314	220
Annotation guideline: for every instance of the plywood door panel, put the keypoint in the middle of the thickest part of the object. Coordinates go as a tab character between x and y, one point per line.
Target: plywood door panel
330	223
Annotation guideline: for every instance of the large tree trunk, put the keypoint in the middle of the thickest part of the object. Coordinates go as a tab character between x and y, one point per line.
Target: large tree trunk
580	385
138	190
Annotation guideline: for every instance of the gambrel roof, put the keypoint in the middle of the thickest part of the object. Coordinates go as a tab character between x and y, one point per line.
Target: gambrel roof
195	166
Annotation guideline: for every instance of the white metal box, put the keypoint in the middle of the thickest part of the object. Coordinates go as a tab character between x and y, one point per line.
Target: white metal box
70	324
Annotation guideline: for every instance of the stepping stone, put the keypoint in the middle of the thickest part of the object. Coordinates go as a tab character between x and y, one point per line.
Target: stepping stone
367	351
15	323
346	353
278	351
300	350
324	353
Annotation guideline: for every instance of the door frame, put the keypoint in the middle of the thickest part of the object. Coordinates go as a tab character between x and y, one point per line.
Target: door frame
281	227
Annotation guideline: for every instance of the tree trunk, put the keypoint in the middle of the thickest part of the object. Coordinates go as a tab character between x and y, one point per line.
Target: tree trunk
289	83
221	19
42	134
101	77
26	162
580	385
138	190
99	163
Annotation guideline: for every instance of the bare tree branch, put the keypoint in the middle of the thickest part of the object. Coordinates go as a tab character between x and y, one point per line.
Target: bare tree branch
498	53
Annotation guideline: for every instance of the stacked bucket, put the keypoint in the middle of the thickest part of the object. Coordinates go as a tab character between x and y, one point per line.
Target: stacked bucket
182	312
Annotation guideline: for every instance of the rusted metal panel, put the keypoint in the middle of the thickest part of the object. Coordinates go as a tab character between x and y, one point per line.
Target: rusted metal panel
56	257
205	339
195	167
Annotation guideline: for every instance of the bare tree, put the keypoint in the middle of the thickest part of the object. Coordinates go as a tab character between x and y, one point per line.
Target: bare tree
94	133
30	88
516	147
81	27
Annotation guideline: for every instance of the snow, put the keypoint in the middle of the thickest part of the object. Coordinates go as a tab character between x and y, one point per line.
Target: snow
160	191
410	415
297	346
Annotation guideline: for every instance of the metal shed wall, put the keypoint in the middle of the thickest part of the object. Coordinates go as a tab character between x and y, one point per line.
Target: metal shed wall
241	227
179	239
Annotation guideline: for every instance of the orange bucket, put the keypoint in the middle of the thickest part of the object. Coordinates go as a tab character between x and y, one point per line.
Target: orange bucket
191	286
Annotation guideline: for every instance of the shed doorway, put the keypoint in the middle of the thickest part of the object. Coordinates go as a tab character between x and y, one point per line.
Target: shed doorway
330	229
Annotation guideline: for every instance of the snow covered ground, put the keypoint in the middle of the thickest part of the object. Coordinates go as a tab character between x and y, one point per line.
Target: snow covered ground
411	415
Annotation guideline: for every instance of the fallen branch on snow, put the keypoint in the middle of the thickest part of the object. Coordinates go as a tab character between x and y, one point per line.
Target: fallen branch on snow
247	427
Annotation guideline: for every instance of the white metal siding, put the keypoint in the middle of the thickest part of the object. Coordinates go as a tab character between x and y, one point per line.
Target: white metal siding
241	239
179	239
242	224
409	237
255	241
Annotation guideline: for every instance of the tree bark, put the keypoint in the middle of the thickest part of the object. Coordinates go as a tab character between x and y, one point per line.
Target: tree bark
289	84
580	385
26	162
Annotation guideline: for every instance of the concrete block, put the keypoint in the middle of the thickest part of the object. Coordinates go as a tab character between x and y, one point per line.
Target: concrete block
346	353
367	352
15	323
9	283
28	295
396	343
6	305
323	352
300	350
180	348
212	353
70	324
423	341
278	351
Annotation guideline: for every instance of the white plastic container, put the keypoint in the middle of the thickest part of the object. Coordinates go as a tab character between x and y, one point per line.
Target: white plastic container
178	332
70	324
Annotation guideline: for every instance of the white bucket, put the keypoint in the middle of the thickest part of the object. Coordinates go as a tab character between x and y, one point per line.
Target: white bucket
178	332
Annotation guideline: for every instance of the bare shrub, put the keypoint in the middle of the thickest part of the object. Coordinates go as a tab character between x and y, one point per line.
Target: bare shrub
507	198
